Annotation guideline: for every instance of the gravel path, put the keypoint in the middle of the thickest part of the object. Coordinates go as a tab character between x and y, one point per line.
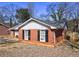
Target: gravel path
27	50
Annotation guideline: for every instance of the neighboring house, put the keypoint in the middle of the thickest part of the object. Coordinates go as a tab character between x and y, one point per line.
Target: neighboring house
38	30
4	29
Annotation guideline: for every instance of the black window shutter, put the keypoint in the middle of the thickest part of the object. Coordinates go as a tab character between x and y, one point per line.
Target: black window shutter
38	35
23	34
29	34
46	35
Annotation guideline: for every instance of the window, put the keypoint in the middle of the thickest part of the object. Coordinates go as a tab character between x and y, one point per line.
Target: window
27	34
43	35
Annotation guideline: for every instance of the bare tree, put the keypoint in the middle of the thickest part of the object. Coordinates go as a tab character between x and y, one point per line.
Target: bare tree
74	12
7	12
58	11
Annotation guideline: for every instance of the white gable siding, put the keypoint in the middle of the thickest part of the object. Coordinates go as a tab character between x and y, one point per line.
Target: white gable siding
34	25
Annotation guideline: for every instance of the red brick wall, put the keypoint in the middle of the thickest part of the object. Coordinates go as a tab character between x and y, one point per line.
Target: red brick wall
20	35
58	33
4	30
34	35
51	39
50	36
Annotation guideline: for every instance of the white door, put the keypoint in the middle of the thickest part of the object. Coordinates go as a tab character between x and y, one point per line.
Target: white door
26	35
42	36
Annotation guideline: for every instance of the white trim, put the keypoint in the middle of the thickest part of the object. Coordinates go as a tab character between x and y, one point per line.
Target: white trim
54	37
37	21
26	34
41	34
45	24
16	28
53	27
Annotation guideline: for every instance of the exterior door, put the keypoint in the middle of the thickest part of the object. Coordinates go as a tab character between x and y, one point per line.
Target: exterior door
26	34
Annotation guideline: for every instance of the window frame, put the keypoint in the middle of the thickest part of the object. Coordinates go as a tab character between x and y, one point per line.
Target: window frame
43	35
27	35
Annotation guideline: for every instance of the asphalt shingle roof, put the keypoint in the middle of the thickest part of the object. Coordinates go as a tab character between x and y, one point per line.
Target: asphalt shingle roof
4	25
57	24
54	23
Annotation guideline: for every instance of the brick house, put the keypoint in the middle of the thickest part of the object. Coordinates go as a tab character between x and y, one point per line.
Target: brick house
39	30
4	29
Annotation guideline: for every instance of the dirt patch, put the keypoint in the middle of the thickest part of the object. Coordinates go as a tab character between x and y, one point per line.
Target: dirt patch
27	50
12	48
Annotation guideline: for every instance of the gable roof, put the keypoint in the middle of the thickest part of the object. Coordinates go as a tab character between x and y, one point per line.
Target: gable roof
51	24
4	25
55	24
15	27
